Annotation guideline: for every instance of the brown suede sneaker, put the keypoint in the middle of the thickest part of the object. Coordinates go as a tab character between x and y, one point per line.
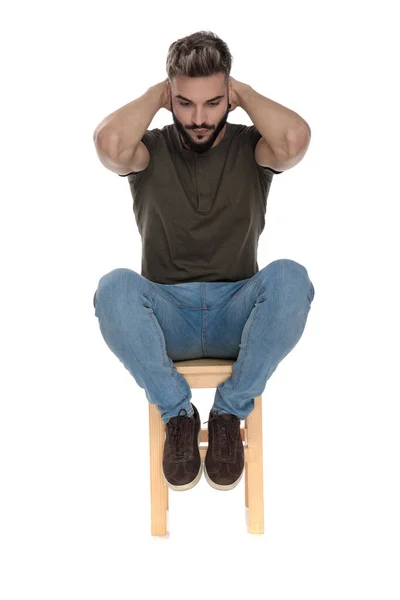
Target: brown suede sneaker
181	465
224	460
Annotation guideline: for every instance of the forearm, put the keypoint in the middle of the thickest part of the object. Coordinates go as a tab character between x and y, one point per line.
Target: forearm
122	130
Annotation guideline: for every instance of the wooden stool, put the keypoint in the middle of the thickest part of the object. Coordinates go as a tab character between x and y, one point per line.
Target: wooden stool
208	373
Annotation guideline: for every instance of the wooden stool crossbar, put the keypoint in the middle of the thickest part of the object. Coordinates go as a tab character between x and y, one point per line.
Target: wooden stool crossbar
208	373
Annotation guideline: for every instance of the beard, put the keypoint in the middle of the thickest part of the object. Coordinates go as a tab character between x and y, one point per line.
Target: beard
203	143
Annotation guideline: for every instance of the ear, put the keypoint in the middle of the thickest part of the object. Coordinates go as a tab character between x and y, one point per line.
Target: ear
229	92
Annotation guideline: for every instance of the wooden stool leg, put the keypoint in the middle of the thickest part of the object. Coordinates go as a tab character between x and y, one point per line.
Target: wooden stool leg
158	485
254	469
246	479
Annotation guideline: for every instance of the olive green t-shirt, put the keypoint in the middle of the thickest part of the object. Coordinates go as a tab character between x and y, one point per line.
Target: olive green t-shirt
200	215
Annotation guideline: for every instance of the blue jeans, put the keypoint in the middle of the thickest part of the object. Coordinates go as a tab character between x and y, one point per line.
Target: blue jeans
256	322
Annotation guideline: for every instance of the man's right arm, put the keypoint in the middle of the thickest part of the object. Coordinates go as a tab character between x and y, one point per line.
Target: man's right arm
118	137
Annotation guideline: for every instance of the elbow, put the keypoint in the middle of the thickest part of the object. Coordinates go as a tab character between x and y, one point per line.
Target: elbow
299	140
106	144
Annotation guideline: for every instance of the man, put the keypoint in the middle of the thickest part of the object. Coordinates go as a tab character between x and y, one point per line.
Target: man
200	187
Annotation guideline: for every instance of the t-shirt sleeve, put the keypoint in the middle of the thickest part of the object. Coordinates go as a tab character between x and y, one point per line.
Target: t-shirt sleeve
255	136
150	140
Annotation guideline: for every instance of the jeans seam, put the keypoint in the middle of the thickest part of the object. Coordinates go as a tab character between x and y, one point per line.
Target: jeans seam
152	290
246	341
163	353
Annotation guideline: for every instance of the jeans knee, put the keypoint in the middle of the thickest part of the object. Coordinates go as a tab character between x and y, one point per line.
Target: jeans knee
296	271
119	277
288	265
115	282
285	267
288	270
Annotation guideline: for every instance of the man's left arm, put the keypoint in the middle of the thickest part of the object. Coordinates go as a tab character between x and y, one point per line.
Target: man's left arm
285	135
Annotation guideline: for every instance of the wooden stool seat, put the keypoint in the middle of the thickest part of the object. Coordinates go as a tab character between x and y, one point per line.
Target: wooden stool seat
208	373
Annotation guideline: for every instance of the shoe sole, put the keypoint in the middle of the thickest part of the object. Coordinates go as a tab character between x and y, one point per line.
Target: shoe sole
191	484
218	486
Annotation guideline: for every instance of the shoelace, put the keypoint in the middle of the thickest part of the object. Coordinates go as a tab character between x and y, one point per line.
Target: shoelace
177	427
226	432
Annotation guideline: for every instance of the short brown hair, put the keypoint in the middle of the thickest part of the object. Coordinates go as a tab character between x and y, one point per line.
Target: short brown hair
199	55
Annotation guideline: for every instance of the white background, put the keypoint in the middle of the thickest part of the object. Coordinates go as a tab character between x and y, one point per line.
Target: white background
74	447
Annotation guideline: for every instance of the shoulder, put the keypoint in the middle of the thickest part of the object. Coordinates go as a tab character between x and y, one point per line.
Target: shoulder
248	135
151	139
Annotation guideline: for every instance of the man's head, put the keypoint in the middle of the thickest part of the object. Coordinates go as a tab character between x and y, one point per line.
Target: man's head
199	103
198	68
